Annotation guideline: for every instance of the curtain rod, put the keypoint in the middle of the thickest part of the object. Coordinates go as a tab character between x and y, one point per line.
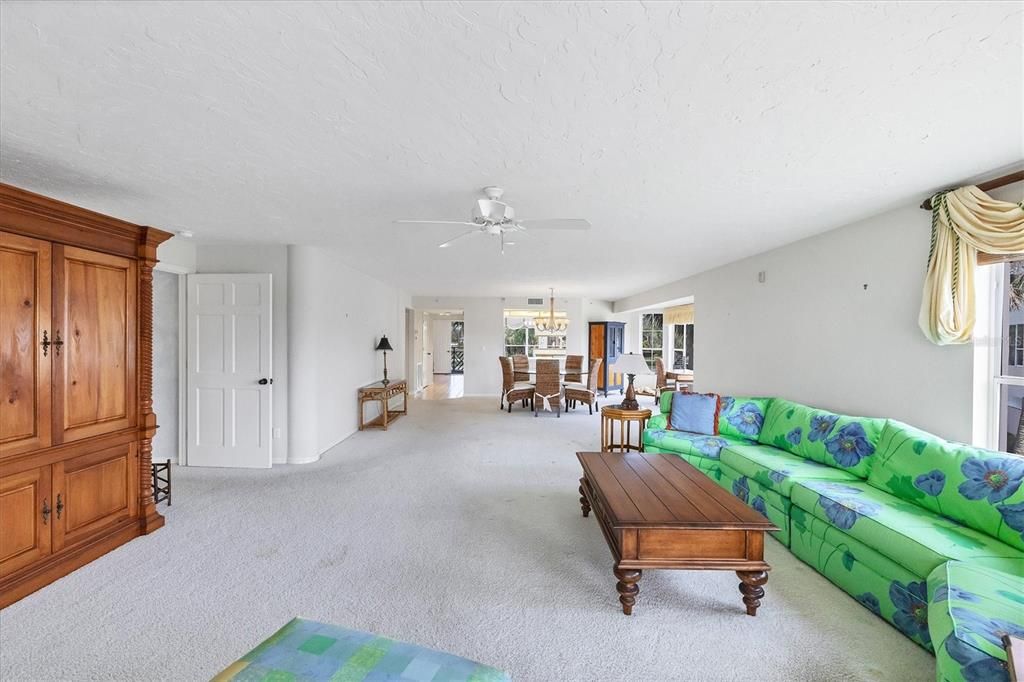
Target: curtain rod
986	186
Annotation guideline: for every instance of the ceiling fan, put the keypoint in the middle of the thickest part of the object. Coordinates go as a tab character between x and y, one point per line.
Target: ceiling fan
495	217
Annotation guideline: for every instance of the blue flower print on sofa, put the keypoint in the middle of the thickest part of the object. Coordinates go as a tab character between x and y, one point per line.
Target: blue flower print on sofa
1013	516
710	446
945	593
747	420
821	426
931	483
740	488
794	436
845	514
849	445
994	478
975	666
870	602
992	629
911	602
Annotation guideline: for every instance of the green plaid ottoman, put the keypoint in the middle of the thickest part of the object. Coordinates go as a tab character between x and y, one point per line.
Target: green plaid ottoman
307	650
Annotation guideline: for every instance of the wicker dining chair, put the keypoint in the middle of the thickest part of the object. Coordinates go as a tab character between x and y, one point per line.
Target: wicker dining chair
660	382
548	391
521	364
512	390
584	393
574	362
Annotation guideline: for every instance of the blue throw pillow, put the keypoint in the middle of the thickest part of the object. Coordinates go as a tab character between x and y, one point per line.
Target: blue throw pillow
694	412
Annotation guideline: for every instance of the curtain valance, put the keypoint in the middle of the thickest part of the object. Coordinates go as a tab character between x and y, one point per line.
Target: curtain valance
680	314
965	221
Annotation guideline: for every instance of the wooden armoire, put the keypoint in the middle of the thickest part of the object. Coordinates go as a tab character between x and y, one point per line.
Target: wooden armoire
607	341
76	417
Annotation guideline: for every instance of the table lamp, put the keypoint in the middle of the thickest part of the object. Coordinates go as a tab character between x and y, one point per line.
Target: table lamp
385	346
630	364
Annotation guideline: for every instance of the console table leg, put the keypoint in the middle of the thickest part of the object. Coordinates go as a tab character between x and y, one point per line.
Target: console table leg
584	502
627	587
751	589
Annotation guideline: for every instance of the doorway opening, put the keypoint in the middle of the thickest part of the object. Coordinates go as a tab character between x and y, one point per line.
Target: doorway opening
444	354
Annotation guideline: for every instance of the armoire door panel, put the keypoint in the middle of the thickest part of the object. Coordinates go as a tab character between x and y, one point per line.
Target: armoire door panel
94	491
26	517
24	359
96	293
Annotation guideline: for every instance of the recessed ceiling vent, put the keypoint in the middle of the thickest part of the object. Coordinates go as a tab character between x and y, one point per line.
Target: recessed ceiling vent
535	301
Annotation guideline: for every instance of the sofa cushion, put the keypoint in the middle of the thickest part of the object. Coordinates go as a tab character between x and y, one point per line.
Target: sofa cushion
658	421
970	607
778	470
686	443
742	417
979	488
909	535
840	441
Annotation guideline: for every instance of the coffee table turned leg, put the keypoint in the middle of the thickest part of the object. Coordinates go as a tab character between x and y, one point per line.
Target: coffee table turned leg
627	587
584	502
751	589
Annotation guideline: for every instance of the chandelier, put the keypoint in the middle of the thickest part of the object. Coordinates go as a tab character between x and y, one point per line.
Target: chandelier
551	323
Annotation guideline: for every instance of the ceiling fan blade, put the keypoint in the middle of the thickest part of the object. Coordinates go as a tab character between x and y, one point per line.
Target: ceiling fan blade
556	224
432	222
448	243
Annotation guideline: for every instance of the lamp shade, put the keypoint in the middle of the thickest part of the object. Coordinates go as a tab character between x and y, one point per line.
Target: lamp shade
383	344
630	363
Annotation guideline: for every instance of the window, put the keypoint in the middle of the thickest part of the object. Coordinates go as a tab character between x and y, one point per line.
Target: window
682	347
1010	377
1015	345
651	337
519	340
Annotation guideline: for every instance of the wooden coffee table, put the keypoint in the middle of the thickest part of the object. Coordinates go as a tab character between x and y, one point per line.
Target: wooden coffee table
658	511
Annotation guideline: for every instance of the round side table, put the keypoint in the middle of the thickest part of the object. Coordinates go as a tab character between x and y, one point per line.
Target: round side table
625	419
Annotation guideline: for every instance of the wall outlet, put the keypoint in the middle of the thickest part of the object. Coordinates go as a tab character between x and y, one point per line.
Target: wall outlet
761	277
277	432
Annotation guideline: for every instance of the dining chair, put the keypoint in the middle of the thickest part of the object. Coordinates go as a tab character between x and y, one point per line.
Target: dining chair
584	393
574	362
660	382
522	367
548	390
512	390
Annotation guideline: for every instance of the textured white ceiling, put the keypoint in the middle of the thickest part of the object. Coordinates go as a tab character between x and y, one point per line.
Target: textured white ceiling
689	134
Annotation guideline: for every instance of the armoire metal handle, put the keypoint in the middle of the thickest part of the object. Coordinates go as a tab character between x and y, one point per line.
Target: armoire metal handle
57	343
45	343
46	511
60	505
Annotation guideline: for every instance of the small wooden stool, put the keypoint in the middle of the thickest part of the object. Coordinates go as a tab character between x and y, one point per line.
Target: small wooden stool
162	482
625	418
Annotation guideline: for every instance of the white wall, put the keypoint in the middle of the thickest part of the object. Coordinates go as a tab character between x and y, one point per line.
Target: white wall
336	316
834	325
272	258
165	365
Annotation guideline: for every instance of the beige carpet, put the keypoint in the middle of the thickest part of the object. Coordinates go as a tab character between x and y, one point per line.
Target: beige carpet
458	529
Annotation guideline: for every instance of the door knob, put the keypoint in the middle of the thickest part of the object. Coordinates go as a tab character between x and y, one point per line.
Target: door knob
264	382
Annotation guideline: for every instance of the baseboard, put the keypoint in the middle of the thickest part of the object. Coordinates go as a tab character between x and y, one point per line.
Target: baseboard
309	460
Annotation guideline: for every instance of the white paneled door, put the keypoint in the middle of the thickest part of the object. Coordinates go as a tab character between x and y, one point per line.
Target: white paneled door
229	370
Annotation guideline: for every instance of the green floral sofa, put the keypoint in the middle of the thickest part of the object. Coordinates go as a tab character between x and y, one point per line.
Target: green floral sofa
927	534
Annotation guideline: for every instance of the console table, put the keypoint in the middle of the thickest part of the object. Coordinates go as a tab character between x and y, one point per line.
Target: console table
383	392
